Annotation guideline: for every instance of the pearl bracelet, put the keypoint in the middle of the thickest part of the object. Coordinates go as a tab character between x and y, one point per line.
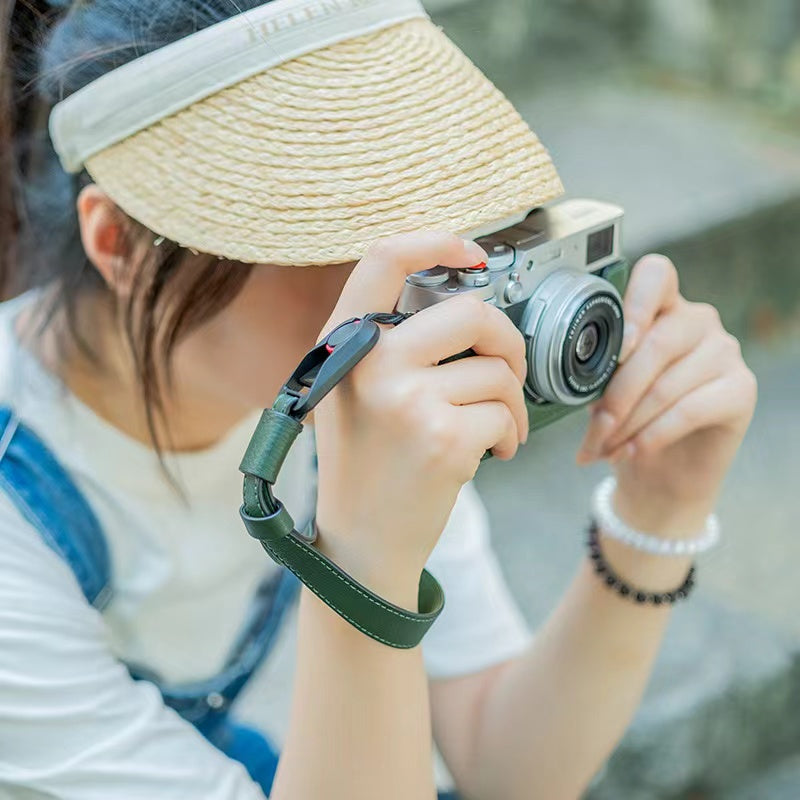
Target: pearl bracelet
613	527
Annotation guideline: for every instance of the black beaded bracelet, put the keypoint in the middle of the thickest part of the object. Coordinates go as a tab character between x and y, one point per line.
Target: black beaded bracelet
613	581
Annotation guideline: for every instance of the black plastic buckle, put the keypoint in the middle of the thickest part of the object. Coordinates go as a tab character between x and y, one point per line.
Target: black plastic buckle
328	363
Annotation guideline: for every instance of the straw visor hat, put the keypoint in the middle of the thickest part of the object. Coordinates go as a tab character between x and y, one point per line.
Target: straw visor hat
301	131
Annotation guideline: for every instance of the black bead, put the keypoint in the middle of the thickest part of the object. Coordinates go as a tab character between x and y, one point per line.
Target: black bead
615	583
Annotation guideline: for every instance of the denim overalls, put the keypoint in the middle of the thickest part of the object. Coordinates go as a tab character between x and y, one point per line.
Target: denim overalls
48	499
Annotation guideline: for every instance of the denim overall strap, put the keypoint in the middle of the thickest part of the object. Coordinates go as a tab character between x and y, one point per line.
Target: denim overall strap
48	499
206	703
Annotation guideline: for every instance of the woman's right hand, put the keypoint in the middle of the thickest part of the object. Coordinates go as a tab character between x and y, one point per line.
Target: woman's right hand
398	438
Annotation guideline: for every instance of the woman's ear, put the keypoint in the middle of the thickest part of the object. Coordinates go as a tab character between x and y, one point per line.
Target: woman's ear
104	232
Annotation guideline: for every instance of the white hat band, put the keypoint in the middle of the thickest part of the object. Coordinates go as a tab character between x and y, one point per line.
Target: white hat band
161	83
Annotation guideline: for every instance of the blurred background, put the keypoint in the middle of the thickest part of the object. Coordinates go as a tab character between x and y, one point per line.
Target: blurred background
686	112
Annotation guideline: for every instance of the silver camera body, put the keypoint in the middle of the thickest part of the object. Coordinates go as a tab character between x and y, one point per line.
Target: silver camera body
559	274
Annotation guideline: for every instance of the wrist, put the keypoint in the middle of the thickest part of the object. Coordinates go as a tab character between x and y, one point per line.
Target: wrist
645	571
646	547
658	514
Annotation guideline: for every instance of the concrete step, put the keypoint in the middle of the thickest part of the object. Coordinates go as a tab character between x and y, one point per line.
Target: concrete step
712	186
714	182
718	190
716	711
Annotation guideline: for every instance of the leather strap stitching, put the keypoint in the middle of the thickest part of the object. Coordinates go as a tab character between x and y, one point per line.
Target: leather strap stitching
409	617
327	600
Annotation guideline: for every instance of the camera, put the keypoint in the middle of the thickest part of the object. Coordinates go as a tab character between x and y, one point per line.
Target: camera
559	275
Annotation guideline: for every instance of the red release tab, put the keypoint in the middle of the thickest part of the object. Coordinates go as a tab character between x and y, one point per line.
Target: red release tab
329	348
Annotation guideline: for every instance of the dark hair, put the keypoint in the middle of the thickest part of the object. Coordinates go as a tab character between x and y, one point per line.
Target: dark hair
47	52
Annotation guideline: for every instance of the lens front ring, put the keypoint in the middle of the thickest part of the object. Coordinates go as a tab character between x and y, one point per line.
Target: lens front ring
584	378
573	324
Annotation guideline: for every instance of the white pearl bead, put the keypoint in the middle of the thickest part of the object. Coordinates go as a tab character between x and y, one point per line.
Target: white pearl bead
613	527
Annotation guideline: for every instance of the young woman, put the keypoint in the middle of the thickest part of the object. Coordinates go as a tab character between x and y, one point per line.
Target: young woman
221	179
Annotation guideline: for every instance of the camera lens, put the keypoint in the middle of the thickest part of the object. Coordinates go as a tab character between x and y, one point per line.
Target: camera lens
573	324
587	342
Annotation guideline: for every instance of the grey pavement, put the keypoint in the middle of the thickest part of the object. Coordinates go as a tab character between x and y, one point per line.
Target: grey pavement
717	190
725	690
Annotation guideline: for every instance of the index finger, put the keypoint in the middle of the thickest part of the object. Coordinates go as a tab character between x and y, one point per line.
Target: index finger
377	281
653	289
459	324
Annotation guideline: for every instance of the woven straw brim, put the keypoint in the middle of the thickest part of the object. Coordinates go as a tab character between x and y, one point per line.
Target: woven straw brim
310	162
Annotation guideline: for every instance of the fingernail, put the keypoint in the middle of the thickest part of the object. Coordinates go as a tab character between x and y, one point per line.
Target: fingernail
628	339
475	250
602	425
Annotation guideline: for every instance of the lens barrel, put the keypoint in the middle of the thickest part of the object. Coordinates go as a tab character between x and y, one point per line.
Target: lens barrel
573	325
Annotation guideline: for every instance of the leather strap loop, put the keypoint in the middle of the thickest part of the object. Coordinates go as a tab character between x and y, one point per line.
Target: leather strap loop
269	529
271	442
267	520
363	609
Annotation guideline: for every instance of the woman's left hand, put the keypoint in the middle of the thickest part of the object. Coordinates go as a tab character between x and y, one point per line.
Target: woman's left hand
676	410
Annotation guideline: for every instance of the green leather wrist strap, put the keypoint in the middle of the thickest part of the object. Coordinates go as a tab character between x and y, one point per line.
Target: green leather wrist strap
267	520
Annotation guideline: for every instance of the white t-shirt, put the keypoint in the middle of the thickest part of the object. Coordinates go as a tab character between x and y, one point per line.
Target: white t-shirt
73	724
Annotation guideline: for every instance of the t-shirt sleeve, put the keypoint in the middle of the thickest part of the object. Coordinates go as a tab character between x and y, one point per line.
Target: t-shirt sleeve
481	626
73	724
